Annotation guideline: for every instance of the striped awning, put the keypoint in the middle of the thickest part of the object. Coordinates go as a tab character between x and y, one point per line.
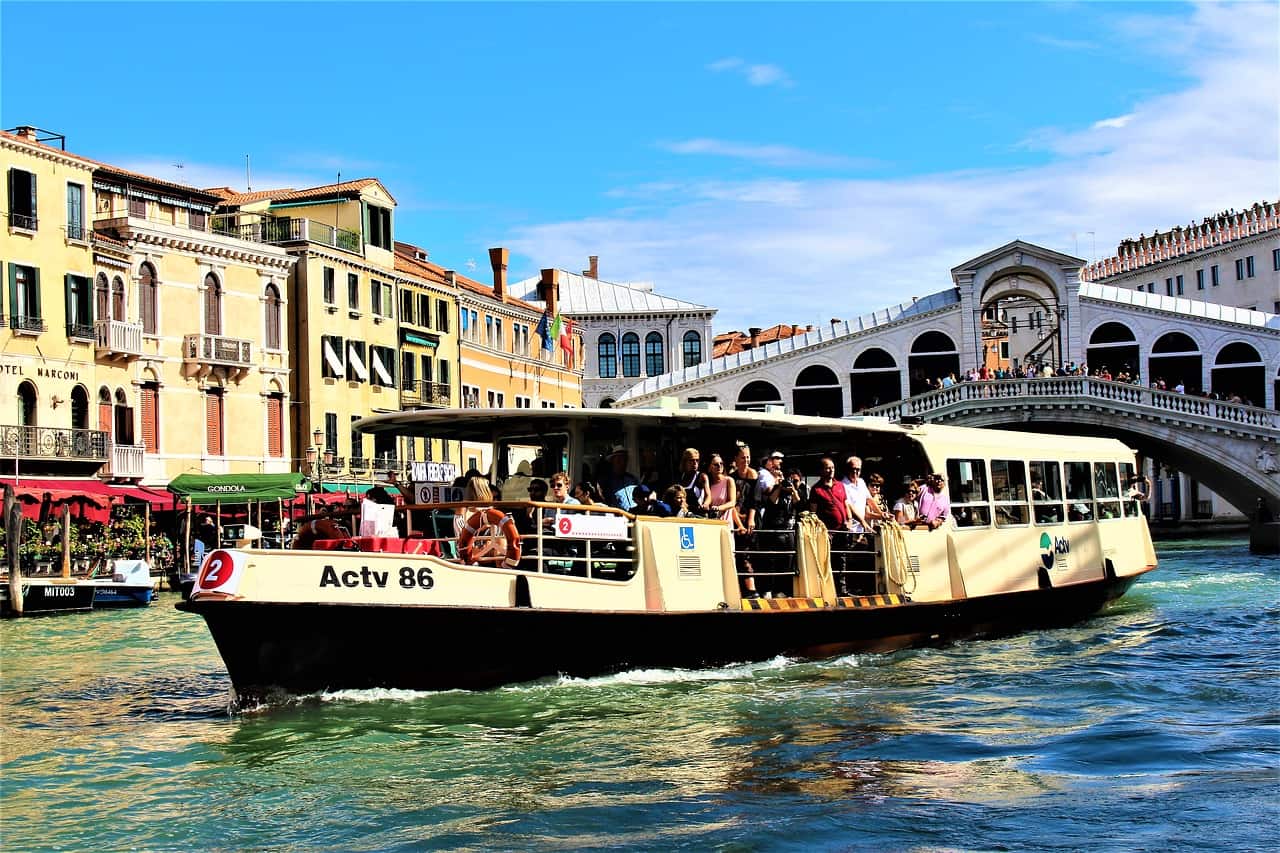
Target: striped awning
333	359
357	363
384	376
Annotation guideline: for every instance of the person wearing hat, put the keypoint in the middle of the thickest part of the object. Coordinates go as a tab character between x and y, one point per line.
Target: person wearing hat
768	485
617	482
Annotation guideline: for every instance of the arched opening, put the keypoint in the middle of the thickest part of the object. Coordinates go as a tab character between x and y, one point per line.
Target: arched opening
607	403
27	418
818	392
102	297
1239	375
117	299
874	380
148	298
631	354
1175	360
212	305
273	317
1019	324
692	344
105	415
79	407
654	357
607	355
123	419
933	357
1112	345
756	395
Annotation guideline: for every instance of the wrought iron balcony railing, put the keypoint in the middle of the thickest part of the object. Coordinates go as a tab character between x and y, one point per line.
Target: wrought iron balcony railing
420	392
77	231
26	323
217	350
21	220
80	331
269	229
34	442
118	338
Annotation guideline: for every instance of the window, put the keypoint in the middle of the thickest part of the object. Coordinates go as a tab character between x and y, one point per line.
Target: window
428	371
1046	492
497	330
1168	287
1107	489
406	306
382	366
333	363
1275	259
497	399
375	297
464	323
275	425
967	481
382	298
357	443
1004	350
149	397
488	329
408	370
148	299
331	432
102	295
630	354
273	317
212	305
523	402
444	373
1248	267
424	310
117	299
1213	275
75	212
1132	505
1079	492
1009	488
24	299
692	349
380	227
356	369
442	316
214	414
328	290
22	200
137	207
196	220
470	397
79	307
654	362
1199	279
1240	269
1177	285
1151	287
353	291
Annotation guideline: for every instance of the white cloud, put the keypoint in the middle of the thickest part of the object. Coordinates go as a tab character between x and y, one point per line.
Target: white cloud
770	251
771	155
762	74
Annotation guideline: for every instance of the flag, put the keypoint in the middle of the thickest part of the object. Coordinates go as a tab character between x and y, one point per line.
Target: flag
566	339
544	330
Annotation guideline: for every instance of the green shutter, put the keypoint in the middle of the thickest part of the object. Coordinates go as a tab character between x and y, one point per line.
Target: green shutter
13	290
35	296
68	298
35	215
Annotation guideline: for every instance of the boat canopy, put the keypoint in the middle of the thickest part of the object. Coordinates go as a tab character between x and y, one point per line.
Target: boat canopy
238	488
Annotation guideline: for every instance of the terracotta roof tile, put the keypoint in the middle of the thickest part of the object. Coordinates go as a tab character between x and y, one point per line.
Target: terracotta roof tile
407	263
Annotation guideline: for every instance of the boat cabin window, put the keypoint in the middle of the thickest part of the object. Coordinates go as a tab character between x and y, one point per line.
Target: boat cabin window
1046	492
1107	488
967	479
1079	492
531	456
1132	505
1009	488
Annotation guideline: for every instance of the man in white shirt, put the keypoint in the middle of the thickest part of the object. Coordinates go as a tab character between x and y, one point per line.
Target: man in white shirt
858	493
768	482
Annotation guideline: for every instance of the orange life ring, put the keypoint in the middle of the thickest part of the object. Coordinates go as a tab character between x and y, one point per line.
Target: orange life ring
490	517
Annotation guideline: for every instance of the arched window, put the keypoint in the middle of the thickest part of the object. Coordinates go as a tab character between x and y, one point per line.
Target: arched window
1239	374
933	357
1113	346
654	363
607	355
874	379
105	414
630	354
692	349
102	297
1175	361
273	317
147	298
212	305
606	403
117	298
818	392
79	408
27	404
756	395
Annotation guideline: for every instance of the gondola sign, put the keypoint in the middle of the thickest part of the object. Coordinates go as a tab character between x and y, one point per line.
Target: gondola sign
436	493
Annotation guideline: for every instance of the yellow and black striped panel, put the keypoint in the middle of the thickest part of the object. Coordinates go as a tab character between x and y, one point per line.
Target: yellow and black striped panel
781	604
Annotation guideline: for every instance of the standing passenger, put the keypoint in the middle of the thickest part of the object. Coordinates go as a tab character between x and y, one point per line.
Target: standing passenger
721	489
829	501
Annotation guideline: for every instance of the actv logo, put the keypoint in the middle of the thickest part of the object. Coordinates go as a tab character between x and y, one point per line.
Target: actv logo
1052	546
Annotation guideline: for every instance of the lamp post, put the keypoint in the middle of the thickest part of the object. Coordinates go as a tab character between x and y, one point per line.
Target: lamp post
319	458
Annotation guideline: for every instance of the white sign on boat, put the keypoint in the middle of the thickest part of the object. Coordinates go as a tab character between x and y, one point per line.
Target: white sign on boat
433	472
591	526
436	493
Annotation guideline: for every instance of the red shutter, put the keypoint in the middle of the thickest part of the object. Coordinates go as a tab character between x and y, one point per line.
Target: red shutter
106	418
275	431
213	423
150	403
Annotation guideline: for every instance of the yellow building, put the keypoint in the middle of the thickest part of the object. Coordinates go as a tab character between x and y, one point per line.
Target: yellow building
349	337
503	363
155	332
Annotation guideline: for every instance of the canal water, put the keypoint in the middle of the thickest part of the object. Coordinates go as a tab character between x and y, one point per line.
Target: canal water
1154	725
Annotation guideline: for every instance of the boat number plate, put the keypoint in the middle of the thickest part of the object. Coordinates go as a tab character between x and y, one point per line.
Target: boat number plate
221	572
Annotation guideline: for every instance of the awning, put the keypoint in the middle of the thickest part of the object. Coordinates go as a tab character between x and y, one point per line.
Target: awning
238	488
158	498
381	369
411	338
358	488
353	358
33	490
333	360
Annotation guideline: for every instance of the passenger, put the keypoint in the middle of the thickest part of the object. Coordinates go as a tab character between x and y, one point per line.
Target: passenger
744	482
618	483
802	488
588	493
516	487
935	503
645	502
721	489
694	482
319	526
1037	489
560	489
876	510
677	497
856	488
829	501
768	485
905	511
526	519
776	537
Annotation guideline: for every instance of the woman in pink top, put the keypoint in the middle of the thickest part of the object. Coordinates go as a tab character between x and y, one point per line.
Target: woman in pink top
721	489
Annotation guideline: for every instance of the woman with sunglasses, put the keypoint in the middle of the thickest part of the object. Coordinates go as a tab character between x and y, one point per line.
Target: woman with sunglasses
721	489
905	511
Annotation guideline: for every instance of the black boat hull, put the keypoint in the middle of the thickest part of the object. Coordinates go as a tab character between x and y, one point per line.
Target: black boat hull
272	648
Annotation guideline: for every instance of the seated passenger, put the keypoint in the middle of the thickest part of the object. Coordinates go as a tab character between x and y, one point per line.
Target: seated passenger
677	498
645	502
617	483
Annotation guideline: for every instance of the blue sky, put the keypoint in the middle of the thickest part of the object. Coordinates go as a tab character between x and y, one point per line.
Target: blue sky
783	162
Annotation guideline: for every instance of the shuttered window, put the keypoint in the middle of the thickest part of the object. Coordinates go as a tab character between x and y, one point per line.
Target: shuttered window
149	395
273	317
212	305
275	425
147	298
213	423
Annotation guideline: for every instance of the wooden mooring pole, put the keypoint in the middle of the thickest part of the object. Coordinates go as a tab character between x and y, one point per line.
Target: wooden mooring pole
12	542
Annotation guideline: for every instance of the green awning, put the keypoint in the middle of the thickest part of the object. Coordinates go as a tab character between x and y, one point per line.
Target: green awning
411	338
238	488
357	488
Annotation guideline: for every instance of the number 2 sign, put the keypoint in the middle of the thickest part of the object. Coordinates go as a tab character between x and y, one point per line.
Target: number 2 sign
221	573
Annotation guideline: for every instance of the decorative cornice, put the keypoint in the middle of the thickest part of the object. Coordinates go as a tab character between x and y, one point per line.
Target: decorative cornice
44	152
1164	312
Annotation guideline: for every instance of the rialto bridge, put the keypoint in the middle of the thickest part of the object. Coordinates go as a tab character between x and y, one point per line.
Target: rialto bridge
1026	304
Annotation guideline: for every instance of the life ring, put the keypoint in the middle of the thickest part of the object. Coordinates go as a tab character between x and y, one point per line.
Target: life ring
485	518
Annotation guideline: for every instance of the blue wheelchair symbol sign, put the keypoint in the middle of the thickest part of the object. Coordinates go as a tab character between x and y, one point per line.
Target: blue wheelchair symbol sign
686	538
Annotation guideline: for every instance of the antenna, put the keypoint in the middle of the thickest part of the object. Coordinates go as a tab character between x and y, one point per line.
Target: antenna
248	184
178	175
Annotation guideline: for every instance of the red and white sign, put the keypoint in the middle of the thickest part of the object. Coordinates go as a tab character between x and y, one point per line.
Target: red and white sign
576	526
221	572
436	493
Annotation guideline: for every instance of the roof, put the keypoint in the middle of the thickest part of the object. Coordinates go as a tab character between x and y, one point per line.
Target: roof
407	263
1178	305
730	343
584	296
346	189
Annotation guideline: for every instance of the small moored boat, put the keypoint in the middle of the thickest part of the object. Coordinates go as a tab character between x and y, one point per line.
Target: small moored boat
130	585
1039	533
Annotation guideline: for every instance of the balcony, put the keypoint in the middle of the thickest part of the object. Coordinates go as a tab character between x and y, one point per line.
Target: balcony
23	221
358	465
215	352
80	332
117	339
271	229
77	232
417	394
53	443
127	461
25	324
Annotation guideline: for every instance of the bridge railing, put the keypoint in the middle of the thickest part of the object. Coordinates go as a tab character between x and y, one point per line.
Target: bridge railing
1078	386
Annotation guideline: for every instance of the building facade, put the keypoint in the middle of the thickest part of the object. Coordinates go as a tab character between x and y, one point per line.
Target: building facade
629	330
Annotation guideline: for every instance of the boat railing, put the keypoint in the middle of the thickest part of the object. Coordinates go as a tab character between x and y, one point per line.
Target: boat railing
771	555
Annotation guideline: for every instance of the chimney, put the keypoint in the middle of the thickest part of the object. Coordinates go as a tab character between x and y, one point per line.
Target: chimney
27	132
549	290
451	278
755	336
809	328
498	257
593	267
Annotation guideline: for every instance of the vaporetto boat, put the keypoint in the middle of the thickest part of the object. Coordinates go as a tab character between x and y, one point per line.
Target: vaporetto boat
1041	533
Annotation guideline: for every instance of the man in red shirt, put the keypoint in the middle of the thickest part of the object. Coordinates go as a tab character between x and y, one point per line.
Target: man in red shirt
829	501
